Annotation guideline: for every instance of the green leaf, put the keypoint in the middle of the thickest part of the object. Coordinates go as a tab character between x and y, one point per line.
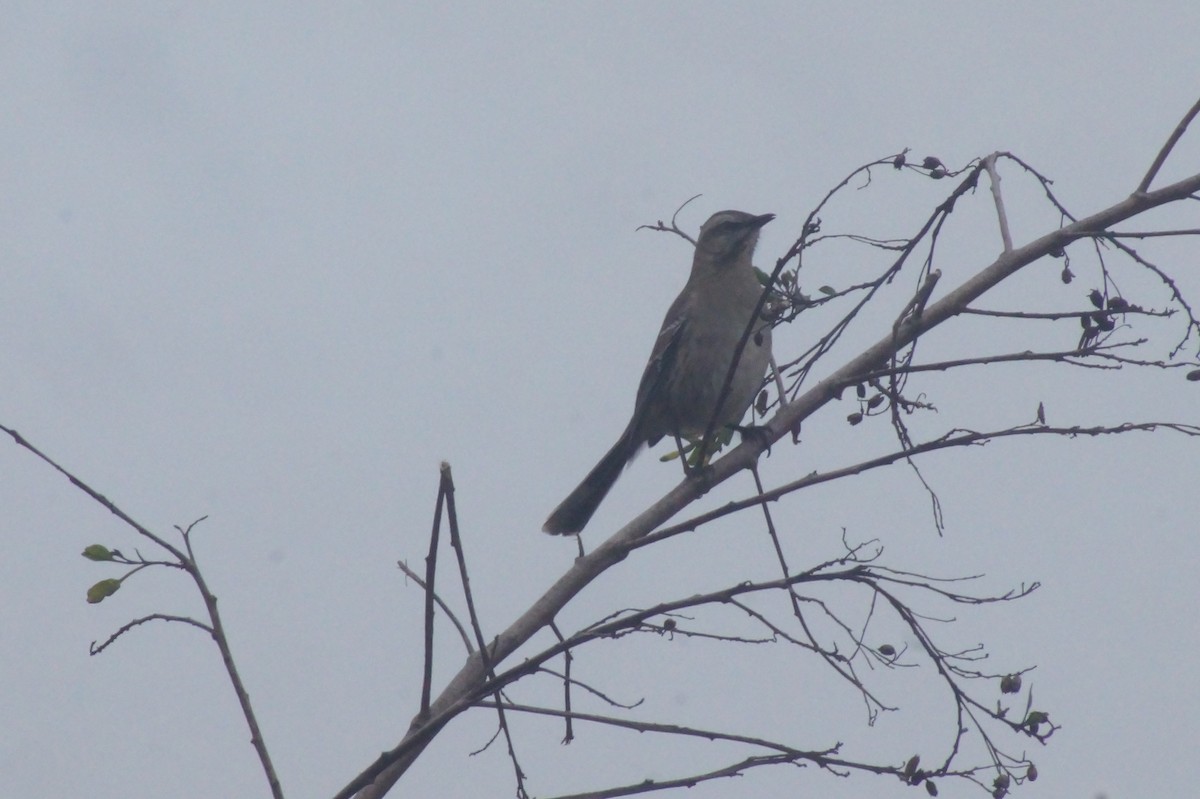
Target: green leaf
102	590
97	552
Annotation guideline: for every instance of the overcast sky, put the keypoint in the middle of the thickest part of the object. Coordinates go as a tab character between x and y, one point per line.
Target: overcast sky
271	263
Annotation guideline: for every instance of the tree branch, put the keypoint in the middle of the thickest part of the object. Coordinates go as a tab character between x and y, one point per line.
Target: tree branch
459	694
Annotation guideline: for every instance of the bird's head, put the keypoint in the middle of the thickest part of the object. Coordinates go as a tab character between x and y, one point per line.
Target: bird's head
728	234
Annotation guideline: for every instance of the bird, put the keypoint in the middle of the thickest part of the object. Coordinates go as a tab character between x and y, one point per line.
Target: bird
679	390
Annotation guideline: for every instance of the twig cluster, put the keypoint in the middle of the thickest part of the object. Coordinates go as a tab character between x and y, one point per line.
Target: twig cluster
991	709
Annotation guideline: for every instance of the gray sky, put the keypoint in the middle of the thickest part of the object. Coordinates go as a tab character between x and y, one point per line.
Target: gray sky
273	264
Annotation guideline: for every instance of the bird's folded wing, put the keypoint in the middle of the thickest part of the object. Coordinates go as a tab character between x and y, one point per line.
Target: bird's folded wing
662	363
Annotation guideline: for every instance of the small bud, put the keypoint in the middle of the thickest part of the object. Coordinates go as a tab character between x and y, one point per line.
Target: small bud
930	788
1194	375
669	624
1031	774
1097	298
1010	684
911	766
1034	720
861	390
875	401
1118	304
931	162
898	161
854	418
1067	275
887	650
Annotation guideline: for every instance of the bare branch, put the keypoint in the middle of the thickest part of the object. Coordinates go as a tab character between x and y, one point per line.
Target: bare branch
430	593
96	495
1172	140
674	226
457	544
235	679
1151	234
989	163
462	632
953	439
96	649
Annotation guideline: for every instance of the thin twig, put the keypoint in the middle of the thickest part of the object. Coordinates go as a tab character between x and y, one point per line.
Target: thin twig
430	583
222	641
416	578
674	226
457	544
953	439
97	496
989	163
568	661
1151	234
96	649
1172	140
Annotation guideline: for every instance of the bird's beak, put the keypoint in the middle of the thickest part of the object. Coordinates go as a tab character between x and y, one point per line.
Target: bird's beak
759	221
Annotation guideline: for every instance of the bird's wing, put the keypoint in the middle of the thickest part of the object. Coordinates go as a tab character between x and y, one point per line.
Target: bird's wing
662	363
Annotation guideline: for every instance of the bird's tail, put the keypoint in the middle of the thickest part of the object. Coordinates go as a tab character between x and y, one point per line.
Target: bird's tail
573	513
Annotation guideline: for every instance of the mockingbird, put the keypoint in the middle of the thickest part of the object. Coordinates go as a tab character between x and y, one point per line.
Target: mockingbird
680	388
